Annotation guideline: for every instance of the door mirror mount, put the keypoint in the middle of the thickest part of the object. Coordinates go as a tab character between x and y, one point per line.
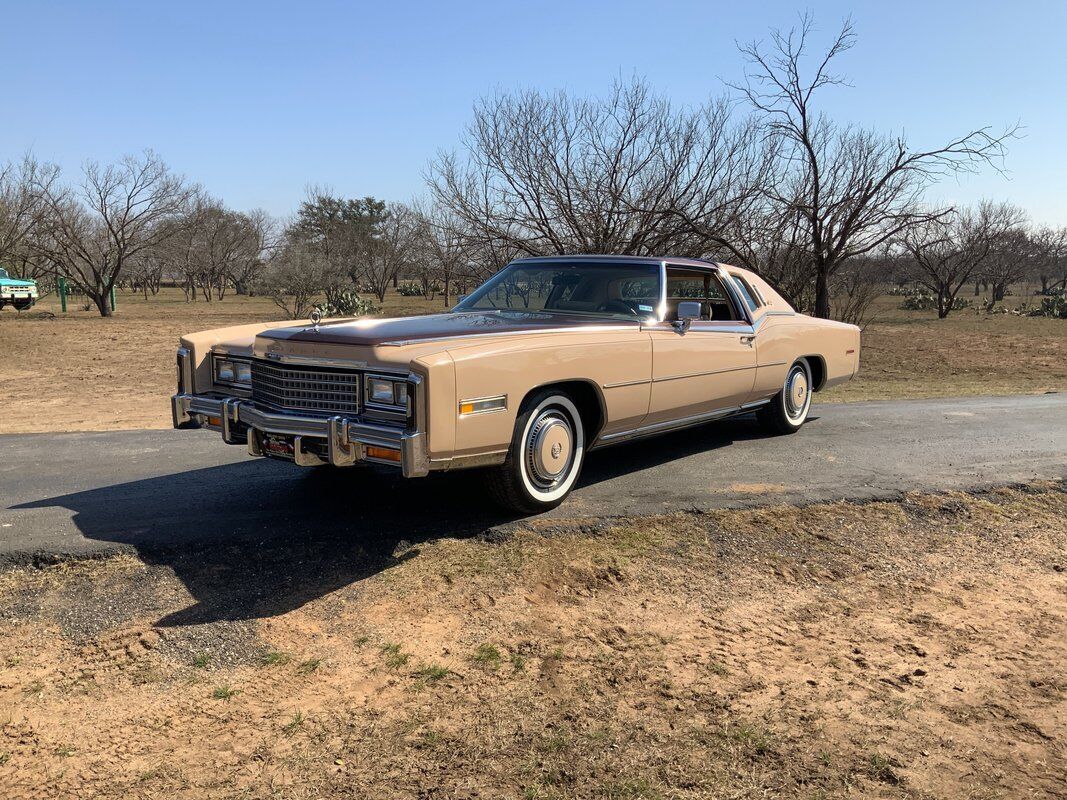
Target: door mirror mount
688	310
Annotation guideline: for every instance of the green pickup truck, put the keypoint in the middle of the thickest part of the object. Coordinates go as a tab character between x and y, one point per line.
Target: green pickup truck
21	294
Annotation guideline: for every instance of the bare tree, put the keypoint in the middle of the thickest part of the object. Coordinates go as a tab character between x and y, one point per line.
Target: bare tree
1050	258
225	241
381	256
856	189
120	211
626	174
774	244
444	254
145	272
1011	258
295	277
856	285
22	209
949	249
244	268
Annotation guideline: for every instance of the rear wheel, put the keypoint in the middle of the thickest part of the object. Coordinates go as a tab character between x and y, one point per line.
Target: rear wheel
546	455
789	408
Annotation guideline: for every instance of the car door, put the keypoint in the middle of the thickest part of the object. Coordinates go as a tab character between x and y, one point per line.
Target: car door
707	366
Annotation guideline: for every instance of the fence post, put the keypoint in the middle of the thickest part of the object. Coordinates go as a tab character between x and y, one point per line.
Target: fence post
62	286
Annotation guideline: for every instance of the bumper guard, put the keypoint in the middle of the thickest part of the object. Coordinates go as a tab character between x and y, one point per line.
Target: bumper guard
346	440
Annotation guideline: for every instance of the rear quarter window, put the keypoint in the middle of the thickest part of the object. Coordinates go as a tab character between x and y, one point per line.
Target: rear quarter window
747	293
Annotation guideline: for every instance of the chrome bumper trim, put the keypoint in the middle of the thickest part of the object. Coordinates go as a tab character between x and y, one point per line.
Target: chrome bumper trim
345	439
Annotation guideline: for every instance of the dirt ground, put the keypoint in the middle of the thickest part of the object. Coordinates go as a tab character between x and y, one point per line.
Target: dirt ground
893	649
76	371
80	372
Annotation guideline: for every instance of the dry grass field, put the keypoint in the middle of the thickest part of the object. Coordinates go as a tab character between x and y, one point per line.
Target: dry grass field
907	649
76	371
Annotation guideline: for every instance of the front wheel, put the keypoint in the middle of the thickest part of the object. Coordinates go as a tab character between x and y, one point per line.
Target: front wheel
546	455
789	408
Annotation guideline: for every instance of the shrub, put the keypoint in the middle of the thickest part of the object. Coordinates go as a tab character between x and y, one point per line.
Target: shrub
409	290
922	300
347	304
1055	306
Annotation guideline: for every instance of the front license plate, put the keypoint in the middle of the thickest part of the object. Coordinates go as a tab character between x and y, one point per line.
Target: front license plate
278	446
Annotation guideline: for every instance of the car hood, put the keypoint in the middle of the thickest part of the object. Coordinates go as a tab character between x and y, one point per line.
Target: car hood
16	283
411	330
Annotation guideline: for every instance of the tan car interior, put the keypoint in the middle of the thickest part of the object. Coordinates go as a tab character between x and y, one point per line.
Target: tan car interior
702	286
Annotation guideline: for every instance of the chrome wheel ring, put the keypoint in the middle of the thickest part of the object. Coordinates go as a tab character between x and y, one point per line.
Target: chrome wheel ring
549	446
553	444
797	392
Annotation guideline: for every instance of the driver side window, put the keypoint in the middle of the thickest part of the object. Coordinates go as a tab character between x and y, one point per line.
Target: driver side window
703	286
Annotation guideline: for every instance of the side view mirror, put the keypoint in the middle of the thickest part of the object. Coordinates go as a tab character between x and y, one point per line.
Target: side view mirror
688	310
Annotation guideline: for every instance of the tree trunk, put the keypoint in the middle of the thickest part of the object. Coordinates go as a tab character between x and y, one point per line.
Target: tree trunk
998	292
103	303
822	293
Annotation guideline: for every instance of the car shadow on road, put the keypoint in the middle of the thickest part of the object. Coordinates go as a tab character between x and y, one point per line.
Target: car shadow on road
257	538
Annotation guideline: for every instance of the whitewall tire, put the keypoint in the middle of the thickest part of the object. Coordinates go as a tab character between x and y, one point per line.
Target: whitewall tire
788	411
546	455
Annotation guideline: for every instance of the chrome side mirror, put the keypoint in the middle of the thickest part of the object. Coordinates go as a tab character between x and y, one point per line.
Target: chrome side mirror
688	310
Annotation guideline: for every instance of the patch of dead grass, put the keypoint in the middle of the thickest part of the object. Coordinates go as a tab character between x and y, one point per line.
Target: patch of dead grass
891	649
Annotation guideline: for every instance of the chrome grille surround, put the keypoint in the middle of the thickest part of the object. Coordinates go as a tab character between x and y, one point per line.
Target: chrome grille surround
307	390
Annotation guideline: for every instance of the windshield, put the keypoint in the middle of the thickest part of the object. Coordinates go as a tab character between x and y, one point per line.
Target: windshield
3	273
626	291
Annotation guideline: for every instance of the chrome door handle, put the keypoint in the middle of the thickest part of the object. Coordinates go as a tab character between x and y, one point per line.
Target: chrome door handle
748	339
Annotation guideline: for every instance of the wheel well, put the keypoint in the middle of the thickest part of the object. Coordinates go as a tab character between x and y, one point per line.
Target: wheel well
818	371
588	399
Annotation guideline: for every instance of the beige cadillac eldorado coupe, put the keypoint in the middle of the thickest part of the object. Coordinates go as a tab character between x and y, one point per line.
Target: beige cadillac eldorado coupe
550	358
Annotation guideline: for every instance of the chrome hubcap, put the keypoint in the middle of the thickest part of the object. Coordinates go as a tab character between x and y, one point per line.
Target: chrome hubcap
549	448
796	392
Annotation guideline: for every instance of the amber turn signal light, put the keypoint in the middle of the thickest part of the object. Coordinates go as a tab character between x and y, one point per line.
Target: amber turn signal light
216	421
483	404
383	453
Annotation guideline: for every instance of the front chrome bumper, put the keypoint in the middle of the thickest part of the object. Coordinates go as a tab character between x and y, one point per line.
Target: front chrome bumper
346	441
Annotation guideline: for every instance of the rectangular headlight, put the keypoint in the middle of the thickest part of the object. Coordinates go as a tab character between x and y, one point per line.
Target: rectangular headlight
224	370
380	390
386	392
233	372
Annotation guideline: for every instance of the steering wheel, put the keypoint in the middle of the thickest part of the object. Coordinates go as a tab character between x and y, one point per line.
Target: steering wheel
616	307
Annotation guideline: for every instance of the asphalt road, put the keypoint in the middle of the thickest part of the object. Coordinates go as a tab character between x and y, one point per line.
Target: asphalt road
151	492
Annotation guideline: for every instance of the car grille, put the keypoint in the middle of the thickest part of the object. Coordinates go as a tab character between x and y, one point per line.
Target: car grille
308	390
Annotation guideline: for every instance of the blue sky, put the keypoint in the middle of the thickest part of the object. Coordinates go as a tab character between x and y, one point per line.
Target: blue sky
258	100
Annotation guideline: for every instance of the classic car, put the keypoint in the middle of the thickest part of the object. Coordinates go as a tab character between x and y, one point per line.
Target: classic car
550	358
18	293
